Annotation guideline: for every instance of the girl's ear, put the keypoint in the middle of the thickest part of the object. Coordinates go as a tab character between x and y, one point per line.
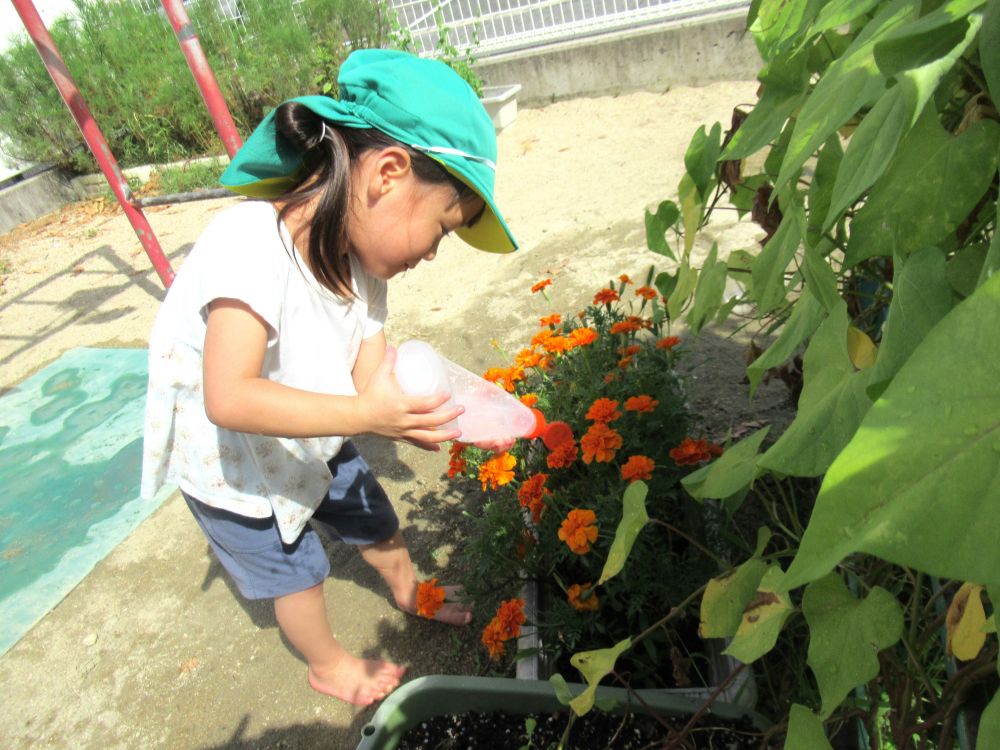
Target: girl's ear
389	166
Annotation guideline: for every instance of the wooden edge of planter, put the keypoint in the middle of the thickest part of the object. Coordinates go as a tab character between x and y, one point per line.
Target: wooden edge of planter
435	695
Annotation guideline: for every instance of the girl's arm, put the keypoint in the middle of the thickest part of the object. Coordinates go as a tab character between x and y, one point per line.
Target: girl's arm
370	356
238	398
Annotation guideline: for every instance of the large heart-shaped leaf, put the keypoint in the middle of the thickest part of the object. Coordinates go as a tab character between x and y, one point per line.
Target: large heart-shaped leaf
918	484
726	598
805	730
708	293
806	317
846	634
595	666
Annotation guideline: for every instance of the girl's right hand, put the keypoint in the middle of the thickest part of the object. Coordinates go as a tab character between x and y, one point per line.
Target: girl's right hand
393	414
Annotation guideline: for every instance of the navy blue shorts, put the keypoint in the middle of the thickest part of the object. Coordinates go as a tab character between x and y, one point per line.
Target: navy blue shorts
356	510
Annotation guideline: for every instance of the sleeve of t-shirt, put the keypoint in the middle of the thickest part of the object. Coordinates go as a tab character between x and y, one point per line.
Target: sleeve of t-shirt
237	260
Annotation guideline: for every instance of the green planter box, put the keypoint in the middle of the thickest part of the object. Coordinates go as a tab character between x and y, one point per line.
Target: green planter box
437	695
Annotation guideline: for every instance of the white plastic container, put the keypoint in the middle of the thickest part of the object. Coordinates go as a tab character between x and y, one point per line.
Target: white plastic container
491	414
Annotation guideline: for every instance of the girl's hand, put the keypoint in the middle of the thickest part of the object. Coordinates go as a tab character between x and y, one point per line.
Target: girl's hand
393	414
501	445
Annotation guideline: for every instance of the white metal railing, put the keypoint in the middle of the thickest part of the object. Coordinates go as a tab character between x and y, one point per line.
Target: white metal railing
492	26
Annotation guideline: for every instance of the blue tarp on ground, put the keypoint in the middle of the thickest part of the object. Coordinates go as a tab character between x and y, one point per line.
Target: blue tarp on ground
70	461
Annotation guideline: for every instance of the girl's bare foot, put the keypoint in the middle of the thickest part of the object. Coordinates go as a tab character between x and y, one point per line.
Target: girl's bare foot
360	682
450	613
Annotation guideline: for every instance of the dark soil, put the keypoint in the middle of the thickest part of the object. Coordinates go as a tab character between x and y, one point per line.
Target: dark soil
596	730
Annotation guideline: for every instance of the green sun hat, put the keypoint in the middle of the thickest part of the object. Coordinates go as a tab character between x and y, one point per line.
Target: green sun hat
421	103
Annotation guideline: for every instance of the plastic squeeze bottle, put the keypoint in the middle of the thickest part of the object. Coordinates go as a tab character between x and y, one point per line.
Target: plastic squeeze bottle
490	412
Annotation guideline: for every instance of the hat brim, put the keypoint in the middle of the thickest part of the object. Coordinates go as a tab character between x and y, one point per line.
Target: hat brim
490	232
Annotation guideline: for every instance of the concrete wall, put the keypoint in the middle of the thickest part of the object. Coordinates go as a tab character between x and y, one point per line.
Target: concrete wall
691	52
33	197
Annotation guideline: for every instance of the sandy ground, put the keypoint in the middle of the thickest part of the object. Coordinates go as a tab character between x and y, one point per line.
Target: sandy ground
155	649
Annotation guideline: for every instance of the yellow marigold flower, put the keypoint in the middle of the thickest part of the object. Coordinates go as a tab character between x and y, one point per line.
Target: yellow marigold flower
497	471
603	410
579	530
430	598
638	467
642	403
600	443
581	603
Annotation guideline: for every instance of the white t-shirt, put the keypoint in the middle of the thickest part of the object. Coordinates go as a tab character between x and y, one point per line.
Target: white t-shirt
313	342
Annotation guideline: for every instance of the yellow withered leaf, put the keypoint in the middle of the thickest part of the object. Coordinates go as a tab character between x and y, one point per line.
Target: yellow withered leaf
860	348
964	622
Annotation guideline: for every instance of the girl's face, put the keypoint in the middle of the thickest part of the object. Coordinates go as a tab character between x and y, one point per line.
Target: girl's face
396	220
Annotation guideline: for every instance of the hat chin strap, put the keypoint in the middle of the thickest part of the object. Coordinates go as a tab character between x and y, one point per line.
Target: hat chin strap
455	152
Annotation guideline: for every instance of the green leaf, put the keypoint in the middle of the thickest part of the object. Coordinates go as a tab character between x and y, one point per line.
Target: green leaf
563	694
657	226
732	472
687	279
839	13
742	196
634	518
692	211
820	278
708	294
784	84
700	158
989	724
805	730
989	49
595	666
964	268
762	619
992	263
726	597
768	272
821	187
846	634
665	283
921	298
918	483
831	406
806	317
849	84
929	189
779	22
926	39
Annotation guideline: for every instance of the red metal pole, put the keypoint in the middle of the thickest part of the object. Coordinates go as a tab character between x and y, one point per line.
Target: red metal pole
203	75
92	135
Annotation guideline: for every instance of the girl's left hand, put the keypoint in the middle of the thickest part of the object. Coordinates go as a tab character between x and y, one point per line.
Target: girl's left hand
501	445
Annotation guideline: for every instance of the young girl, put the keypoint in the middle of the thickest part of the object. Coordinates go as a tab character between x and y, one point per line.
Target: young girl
268	351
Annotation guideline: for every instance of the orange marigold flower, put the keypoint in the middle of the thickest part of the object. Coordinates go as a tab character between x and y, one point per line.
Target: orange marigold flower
625	326
579	530
691	452
541	285
529	399
492	639
646	292
629	351
563	455
624	362
540	338
497	471
456	462
557	345
550	320
669	342
600	443
430	598
505	377
639	321
582	336
605	297
611	377
531	495
603	410
638	467
641	404
625	279
529	358
511	617
581	602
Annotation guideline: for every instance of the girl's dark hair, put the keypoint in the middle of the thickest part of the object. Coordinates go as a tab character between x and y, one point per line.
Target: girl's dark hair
327	155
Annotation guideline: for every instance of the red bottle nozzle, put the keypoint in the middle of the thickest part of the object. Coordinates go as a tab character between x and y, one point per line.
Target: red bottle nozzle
540	425
555	434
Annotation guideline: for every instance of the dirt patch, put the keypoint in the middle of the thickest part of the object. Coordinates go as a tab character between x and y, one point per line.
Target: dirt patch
154	649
